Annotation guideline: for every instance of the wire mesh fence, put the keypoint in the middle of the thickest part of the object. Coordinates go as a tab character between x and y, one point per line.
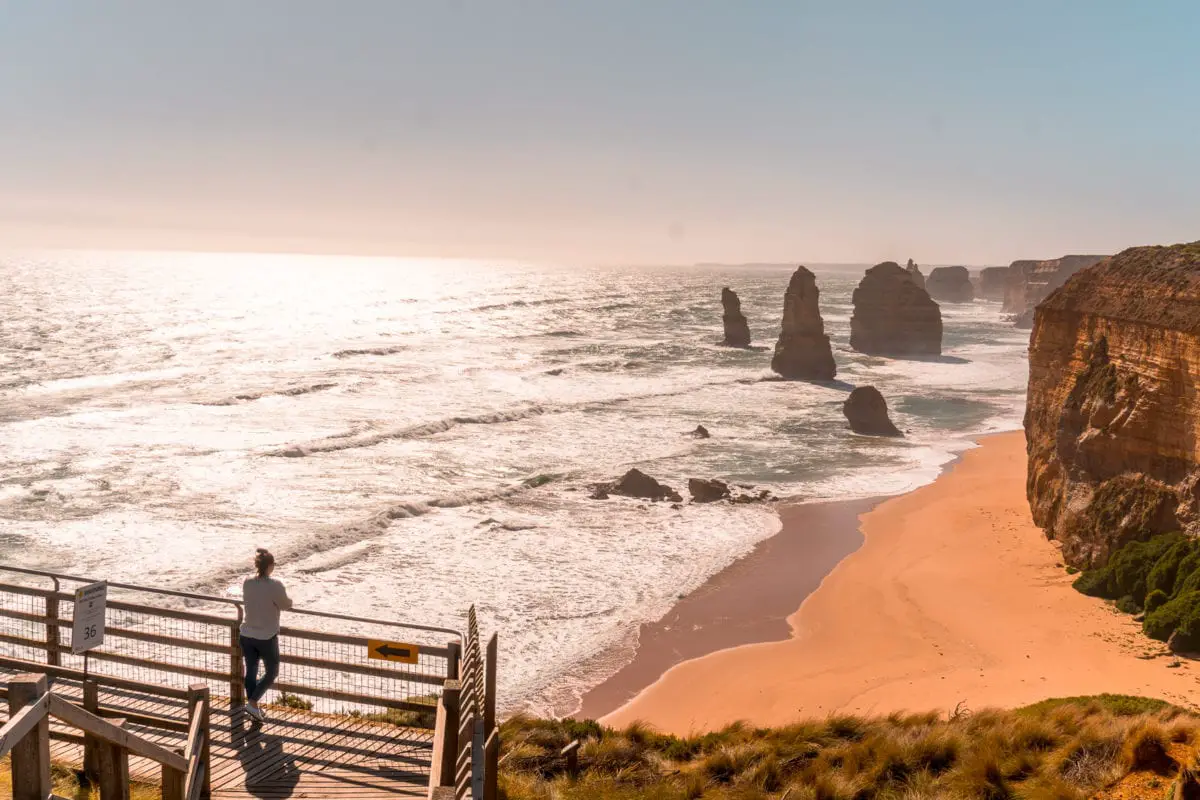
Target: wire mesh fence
330	664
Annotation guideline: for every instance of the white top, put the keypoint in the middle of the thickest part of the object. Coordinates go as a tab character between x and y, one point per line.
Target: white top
265	598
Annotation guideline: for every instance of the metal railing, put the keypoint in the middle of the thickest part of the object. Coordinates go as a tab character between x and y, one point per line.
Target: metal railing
166	638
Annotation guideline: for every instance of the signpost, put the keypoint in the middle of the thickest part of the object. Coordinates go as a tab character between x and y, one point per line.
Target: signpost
87	629
392	651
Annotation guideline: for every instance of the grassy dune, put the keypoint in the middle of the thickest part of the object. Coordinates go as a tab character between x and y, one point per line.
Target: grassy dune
1071	748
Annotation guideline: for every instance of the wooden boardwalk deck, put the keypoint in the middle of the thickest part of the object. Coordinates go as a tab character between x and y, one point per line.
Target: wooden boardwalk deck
294	754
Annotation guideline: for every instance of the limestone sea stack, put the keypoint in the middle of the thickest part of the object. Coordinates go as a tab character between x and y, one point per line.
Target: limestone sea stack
1112	418
950	285
915	272
1031	282
993	282
893	316
867	413
803	351
737	330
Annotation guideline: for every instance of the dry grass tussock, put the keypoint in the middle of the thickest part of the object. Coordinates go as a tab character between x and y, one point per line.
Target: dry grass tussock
1072	748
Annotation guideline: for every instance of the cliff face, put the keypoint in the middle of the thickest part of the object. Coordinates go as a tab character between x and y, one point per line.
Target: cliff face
993	282
893	316
803	351
1112	419
1031	282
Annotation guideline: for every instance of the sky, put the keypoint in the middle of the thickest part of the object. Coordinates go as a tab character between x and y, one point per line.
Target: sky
612	131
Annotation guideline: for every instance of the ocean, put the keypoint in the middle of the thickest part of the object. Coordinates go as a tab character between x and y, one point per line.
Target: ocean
413	436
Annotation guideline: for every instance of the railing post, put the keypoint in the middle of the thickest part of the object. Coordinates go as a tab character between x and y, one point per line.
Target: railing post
489	687
445	736
31	755
91	703
491	767
453	659
478	742
237	689
199	703
113	761
52	657
173	781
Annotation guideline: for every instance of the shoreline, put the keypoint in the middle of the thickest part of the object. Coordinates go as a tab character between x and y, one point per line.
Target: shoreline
750	601
953	597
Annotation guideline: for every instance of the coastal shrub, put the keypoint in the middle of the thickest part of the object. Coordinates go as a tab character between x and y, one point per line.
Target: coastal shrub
1156	600
1062	748
1131	565
1188	573
1163	573
1129	569
1127	605
1180	613
1096	583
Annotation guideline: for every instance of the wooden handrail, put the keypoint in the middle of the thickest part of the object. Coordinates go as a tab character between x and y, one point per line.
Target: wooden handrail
106	680
22	723
103	729
26	737
195	782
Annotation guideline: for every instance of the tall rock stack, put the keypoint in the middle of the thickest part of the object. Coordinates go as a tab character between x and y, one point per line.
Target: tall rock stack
993	282
803	351
1112	421
893	316
915	272
950	285
737	330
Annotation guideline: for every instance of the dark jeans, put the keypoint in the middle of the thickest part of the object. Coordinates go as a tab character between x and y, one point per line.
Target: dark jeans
253	651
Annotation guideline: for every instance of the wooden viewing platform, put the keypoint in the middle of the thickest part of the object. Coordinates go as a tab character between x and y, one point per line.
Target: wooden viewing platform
295	754
363	708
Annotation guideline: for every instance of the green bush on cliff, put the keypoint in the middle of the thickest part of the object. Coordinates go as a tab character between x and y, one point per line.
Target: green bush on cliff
1181	613
1162	576
1129	570
1156	600
1133	563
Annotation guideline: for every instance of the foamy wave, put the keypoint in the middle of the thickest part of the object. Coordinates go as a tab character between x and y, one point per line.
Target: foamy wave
370	351
344	442
548	301
249	397
350	441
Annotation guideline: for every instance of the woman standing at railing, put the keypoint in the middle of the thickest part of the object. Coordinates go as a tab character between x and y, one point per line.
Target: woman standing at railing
264	598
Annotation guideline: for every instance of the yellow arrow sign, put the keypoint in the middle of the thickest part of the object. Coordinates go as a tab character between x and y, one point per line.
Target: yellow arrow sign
392	651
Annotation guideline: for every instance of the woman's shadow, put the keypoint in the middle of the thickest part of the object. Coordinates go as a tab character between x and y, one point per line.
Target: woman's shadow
269	770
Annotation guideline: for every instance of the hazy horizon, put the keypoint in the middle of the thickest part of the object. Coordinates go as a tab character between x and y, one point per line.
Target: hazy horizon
616	133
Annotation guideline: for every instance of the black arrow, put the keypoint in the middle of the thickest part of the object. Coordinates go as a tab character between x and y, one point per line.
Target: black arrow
387	651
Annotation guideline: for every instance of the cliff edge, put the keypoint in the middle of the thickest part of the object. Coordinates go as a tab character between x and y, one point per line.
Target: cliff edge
1112	419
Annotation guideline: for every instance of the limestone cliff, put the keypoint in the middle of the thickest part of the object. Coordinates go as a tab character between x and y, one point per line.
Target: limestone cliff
1031	282
893	316
803	351
993	282
1112	418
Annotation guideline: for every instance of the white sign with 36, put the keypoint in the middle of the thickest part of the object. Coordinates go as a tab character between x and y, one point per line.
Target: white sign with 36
87	630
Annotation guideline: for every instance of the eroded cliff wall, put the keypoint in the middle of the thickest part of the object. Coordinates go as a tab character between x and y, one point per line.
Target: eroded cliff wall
1113	412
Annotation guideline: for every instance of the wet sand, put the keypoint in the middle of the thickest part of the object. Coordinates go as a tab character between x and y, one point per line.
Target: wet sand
954	597
748	602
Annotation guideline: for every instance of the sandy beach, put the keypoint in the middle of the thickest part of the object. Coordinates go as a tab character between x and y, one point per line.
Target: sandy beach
747	603
954	597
